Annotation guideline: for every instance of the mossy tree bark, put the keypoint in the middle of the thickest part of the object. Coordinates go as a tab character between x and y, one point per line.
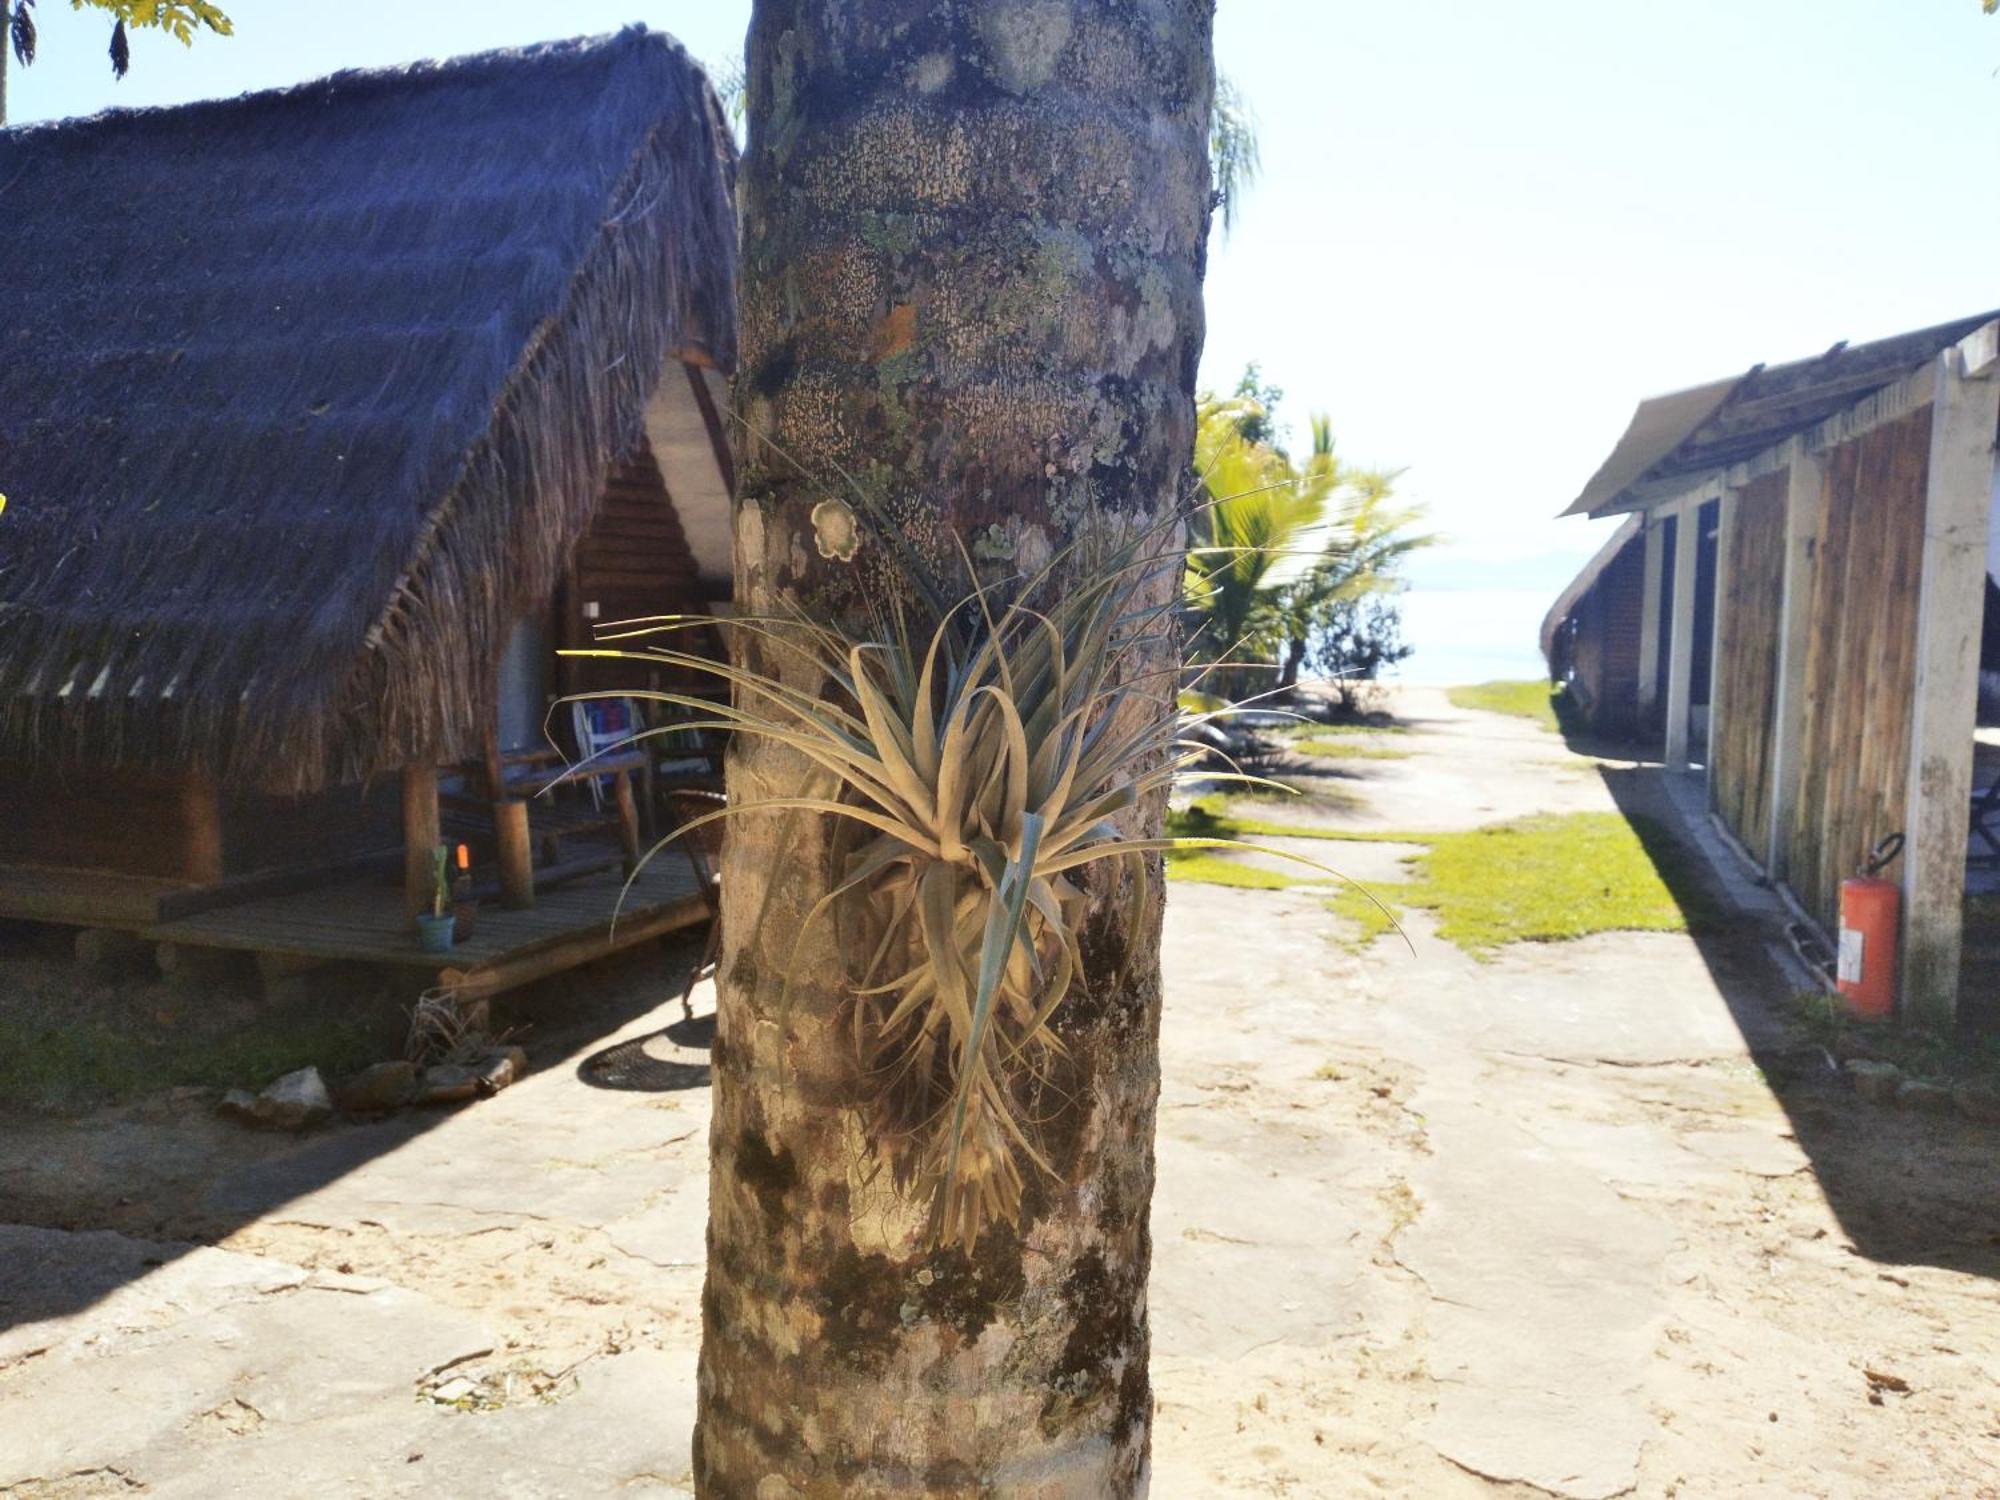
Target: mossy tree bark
974	233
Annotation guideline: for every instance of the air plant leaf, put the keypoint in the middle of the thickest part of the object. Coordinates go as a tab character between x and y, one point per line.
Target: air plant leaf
983	752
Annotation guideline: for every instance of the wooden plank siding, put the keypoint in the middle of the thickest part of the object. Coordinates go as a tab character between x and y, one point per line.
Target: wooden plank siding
1606	646
138	823
1746	674
1860	672
633	563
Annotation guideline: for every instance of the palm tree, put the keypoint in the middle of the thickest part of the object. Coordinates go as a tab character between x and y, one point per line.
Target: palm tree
1368	538
1268	528
972	244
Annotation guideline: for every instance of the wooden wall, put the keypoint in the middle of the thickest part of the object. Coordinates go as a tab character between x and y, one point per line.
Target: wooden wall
1860	658
1605	651
633	562
182	831
1746	664
164	827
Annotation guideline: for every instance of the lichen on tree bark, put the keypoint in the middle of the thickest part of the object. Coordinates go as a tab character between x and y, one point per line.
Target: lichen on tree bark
973	241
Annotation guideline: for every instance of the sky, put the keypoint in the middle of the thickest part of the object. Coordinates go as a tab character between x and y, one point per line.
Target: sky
1483	232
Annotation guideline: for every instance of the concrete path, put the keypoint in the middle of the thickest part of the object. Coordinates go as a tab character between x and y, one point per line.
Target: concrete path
1583	1220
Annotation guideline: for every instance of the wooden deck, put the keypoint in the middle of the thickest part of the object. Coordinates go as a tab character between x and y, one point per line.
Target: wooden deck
362	921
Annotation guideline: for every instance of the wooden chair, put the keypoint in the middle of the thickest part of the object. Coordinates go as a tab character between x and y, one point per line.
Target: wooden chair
704	852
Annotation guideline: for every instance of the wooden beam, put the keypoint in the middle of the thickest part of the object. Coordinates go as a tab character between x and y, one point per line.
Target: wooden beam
718	433
508	973
1680	637
1649	615
1951	604
421	837
1805	522
1719	623
517	853
628	819
201	806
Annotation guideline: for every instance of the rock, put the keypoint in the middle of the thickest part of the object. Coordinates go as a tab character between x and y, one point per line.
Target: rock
1978	1101
447	1083
298	1101
500	1067
381	1086
1851	1045
1876	1082
295	1102
1931	1098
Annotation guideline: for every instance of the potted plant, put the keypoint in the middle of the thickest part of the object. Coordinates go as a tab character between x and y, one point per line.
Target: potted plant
434	927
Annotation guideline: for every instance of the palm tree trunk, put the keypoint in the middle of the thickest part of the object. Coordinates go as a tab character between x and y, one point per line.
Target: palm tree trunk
1295	658
973	239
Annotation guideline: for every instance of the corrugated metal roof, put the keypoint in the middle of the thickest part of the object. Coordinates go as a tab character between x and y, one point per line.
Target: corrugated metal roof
1695	432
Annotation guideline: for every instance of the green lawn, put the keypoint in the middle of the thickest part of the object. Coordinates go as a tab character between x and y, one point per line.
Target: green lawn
1207	867
1313	728
1541	879
1210	818
1348	750
1526	700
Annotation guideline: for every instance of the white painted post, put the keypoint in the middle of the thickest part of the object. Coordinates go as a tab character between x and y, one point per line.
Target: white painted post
1805	513
1717	633
1952	600
1649	615
1680	635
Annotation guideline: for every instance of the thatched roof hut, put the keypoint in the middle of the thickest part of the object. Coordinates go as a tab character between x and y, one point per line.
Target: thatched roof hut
305	395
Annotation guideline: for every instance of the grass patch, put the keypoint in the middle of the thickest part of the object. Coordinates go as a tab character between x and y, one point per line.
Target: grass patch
1313	728
1919	1053
78	1063
1534	699
1210	818
1206	867
1548	878
1348	750
1369	908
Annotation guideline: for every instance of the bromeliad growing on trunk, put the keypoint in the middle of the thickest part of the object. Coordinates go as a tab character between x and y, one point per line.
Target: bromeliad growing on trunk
978	754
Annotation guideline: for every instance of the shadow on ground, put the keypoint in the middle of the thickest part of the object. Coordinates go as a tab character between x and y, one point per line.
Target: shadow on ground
1908	1188
167	1171
657	1063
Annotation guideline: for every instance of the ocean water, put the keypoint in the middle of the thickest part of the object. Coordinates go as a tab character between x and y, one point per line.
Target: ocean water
1473	635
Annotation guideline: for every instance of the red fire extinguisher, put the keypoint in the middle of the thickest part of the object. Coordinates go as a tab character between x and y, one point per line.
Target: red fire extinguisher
1865	972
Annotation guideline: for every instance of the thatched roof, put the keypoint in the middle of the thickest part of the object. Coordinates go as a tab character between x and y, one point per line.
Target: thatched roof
304	394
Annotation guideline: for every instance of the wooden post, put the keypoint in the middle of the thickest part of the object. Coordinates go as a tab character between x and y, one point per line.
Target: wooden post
1680	638
517	853
1951	604
1805	521
510	824
201	806
420	837
1725	527
628	819
1649	616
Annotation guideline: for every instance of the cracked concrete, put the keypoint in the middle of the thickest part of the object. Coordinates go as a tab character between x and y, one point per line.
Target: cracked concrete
1570	1238
1424	1227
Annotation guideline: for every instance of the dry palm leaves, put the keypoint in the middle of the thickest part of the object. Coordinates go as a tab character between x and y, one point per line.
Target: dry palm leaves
978	762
